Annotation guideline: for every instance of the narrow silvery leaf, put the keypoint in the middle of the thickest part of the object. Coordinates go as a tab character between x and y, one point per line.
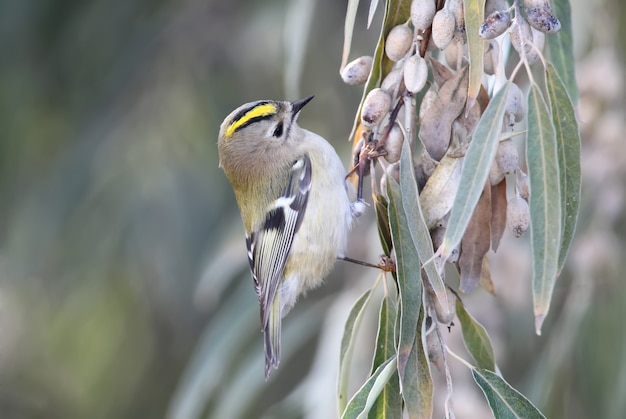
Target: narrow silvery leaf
389	403
408	275
418	387
348	30
561	48
476	165
504	400
568	149
474	17
476	339
417	225
372	11
347	346
364	398
545	202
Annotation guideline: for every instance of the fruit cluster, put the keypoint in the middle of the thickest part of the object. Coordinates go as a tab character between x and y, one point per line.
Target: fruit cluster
423	95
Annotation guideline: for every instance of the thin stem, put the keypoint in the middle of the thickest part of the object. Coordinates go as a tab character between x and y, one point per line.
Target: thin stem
392	119
448	403
458	358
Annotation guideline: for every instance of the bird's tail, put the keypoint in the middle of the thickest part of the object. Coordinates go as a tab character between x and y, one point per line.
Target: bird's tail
271	333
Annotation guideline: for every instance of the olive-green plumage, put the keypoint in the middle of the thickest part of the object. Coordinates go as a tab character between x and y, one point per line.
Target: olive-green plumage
295	205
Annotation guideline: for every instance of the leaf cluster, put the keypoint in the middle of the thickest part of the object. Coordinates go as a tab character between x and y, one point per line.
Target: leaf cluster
459	221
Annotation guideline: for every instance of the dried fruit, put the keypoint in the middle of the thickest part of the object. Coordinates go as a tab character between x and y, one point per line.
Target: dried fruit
391	171
541	18
457	8
398	43
357	71
437	196
422	13
522	185
521	35
493	5
507	156
515	109
393	145
495	24
539	41
443	28
455	53
415	73
375	107
391	83
434	349
523	39
496	174
517	216
492	55
444	312
436	130
436	235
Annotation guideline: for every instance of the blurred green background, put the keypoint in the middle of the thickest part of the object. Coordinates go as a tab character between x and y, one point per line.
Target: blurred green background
124	286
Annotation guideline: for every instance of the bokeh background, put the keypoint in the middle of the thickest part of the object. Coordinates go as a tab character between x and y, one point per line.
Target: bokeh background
124	286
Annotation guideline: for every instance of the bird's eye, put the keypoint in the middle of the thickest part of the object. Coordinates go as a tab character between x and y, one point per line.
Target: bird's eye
278	131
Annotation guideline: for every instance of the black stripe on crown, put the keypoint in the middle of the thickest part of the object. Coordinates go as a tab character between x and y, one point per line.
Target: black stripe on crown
247	109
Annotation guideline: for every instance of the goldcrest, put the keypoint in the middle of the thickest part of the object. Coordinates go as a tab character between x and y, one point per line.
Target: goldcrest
295	204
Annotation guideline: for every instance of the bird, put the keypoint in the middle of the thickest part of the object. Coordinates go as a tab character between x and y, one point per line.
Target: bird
295	203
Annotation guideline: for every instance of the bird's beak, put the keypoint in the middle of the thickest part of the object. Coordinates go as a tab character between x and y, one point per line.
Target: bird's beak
297	106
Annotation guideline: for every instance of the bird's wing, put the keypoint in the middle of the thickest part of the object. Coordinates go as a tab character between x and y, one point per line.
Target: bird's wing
269	246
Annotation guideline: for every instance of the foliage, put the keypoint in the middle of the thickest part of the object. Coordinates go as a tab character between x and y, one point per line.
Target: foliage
482	114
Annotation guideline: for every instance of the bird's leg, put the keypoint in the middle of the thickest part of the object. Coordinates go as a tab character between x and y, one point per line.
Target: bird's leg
386	264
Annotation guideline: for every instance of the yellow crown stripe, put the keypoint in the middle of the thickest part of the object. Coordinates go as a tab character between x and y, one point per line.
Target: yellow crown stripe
264	109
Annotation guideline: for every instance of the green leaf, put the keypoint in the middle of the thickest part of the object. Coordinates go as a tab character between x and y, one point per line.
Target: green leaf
545	202
418	388
389	403
561	48
362	401
476	339
417	225
396	12
385	342
474	16
504	400
476	165
347	346
568	150
408	274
